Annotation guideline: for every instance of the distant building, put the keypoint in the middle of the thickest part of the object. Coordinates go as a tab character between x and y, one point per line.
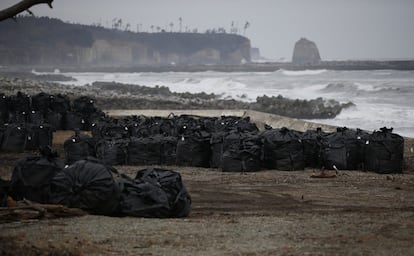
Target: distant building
255	53
305	53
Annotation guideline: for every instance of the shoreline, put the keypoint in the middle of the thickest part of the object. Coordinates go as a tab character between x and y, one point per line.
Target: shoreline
348	65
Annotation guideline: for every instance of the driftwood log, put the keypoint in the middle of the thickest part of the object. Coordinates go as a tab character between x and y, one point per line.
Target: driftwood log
26	210
20	7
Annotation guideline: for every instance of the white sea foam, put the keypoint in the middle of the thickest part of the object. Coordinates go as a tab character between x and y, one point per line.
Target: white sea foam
381	100
307	72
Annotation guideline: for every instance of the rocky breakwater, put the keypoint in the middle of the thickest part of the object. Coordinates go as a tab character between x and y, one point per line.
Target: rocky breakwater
160	97
307	109
111	95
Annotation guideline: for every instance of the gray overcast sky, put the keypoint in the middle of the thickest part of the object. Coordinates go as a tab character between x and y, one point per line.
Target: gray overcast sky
342	29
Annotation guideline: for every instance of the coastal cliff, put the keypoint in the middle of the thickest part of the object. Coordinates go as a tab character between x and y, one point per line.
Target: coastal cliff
44	41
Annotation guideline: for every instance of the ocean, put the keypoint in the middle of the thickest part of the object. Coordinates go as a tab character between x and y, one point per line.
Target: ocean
381	97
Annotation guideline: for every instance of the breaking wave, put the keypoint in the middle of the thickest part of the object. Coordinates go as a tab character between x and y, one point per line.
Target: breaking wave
307	72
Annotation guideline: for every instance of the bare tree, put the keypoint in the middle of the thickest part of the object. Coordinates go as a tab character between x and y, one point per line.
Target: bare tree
22	6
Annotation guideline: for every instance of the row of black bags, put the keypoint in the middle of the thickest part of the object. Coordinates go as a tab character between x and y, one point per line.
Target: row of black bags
20	137
98	188
43	108
282	149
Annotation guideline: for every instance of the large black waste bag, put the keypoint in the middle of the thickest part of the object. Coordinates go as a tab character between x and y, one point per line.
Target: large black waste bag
311	141
18	117
92	118
55	119
171	183
194	149
15	138
107	128
87	184
157	149
112	151
242	152
32	176
39	136
84	104
20	102
4	192
4	108
73	121
384	152
216	146
2	130
283	149
35	117
78	147
155	193
343	149
144	151
142	199
41	102
59	103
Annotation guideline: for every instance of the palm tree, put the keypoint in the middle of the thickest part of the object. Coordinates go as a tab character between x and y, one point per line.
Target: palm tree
246	26
181	23
152	28
171	26
119	23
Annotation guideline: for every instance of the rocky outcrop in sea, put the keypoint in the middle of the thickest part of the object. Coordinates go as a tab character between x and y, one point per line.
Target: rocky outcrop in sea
305	53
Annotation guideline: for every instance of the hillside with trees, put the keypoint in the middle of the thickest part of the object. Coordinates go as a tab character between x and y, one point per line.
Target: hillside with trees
45	41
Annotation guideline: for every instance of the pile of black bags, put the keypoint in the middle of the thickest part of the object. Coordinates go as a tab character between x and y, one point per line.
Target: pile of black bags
235	144
97	188
28	122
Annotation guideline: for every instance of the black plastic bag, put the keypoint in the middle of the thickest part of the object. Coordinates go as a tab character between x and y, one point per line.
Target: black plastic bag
39	136
311	141
384	152
78	147
242	152
152	150
84	104
20	102
73	121
87	184
32	176
59	103
15	138
171	183
142	199
41	102
55	119
283	149
155	193
194	149
112	151
343	149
